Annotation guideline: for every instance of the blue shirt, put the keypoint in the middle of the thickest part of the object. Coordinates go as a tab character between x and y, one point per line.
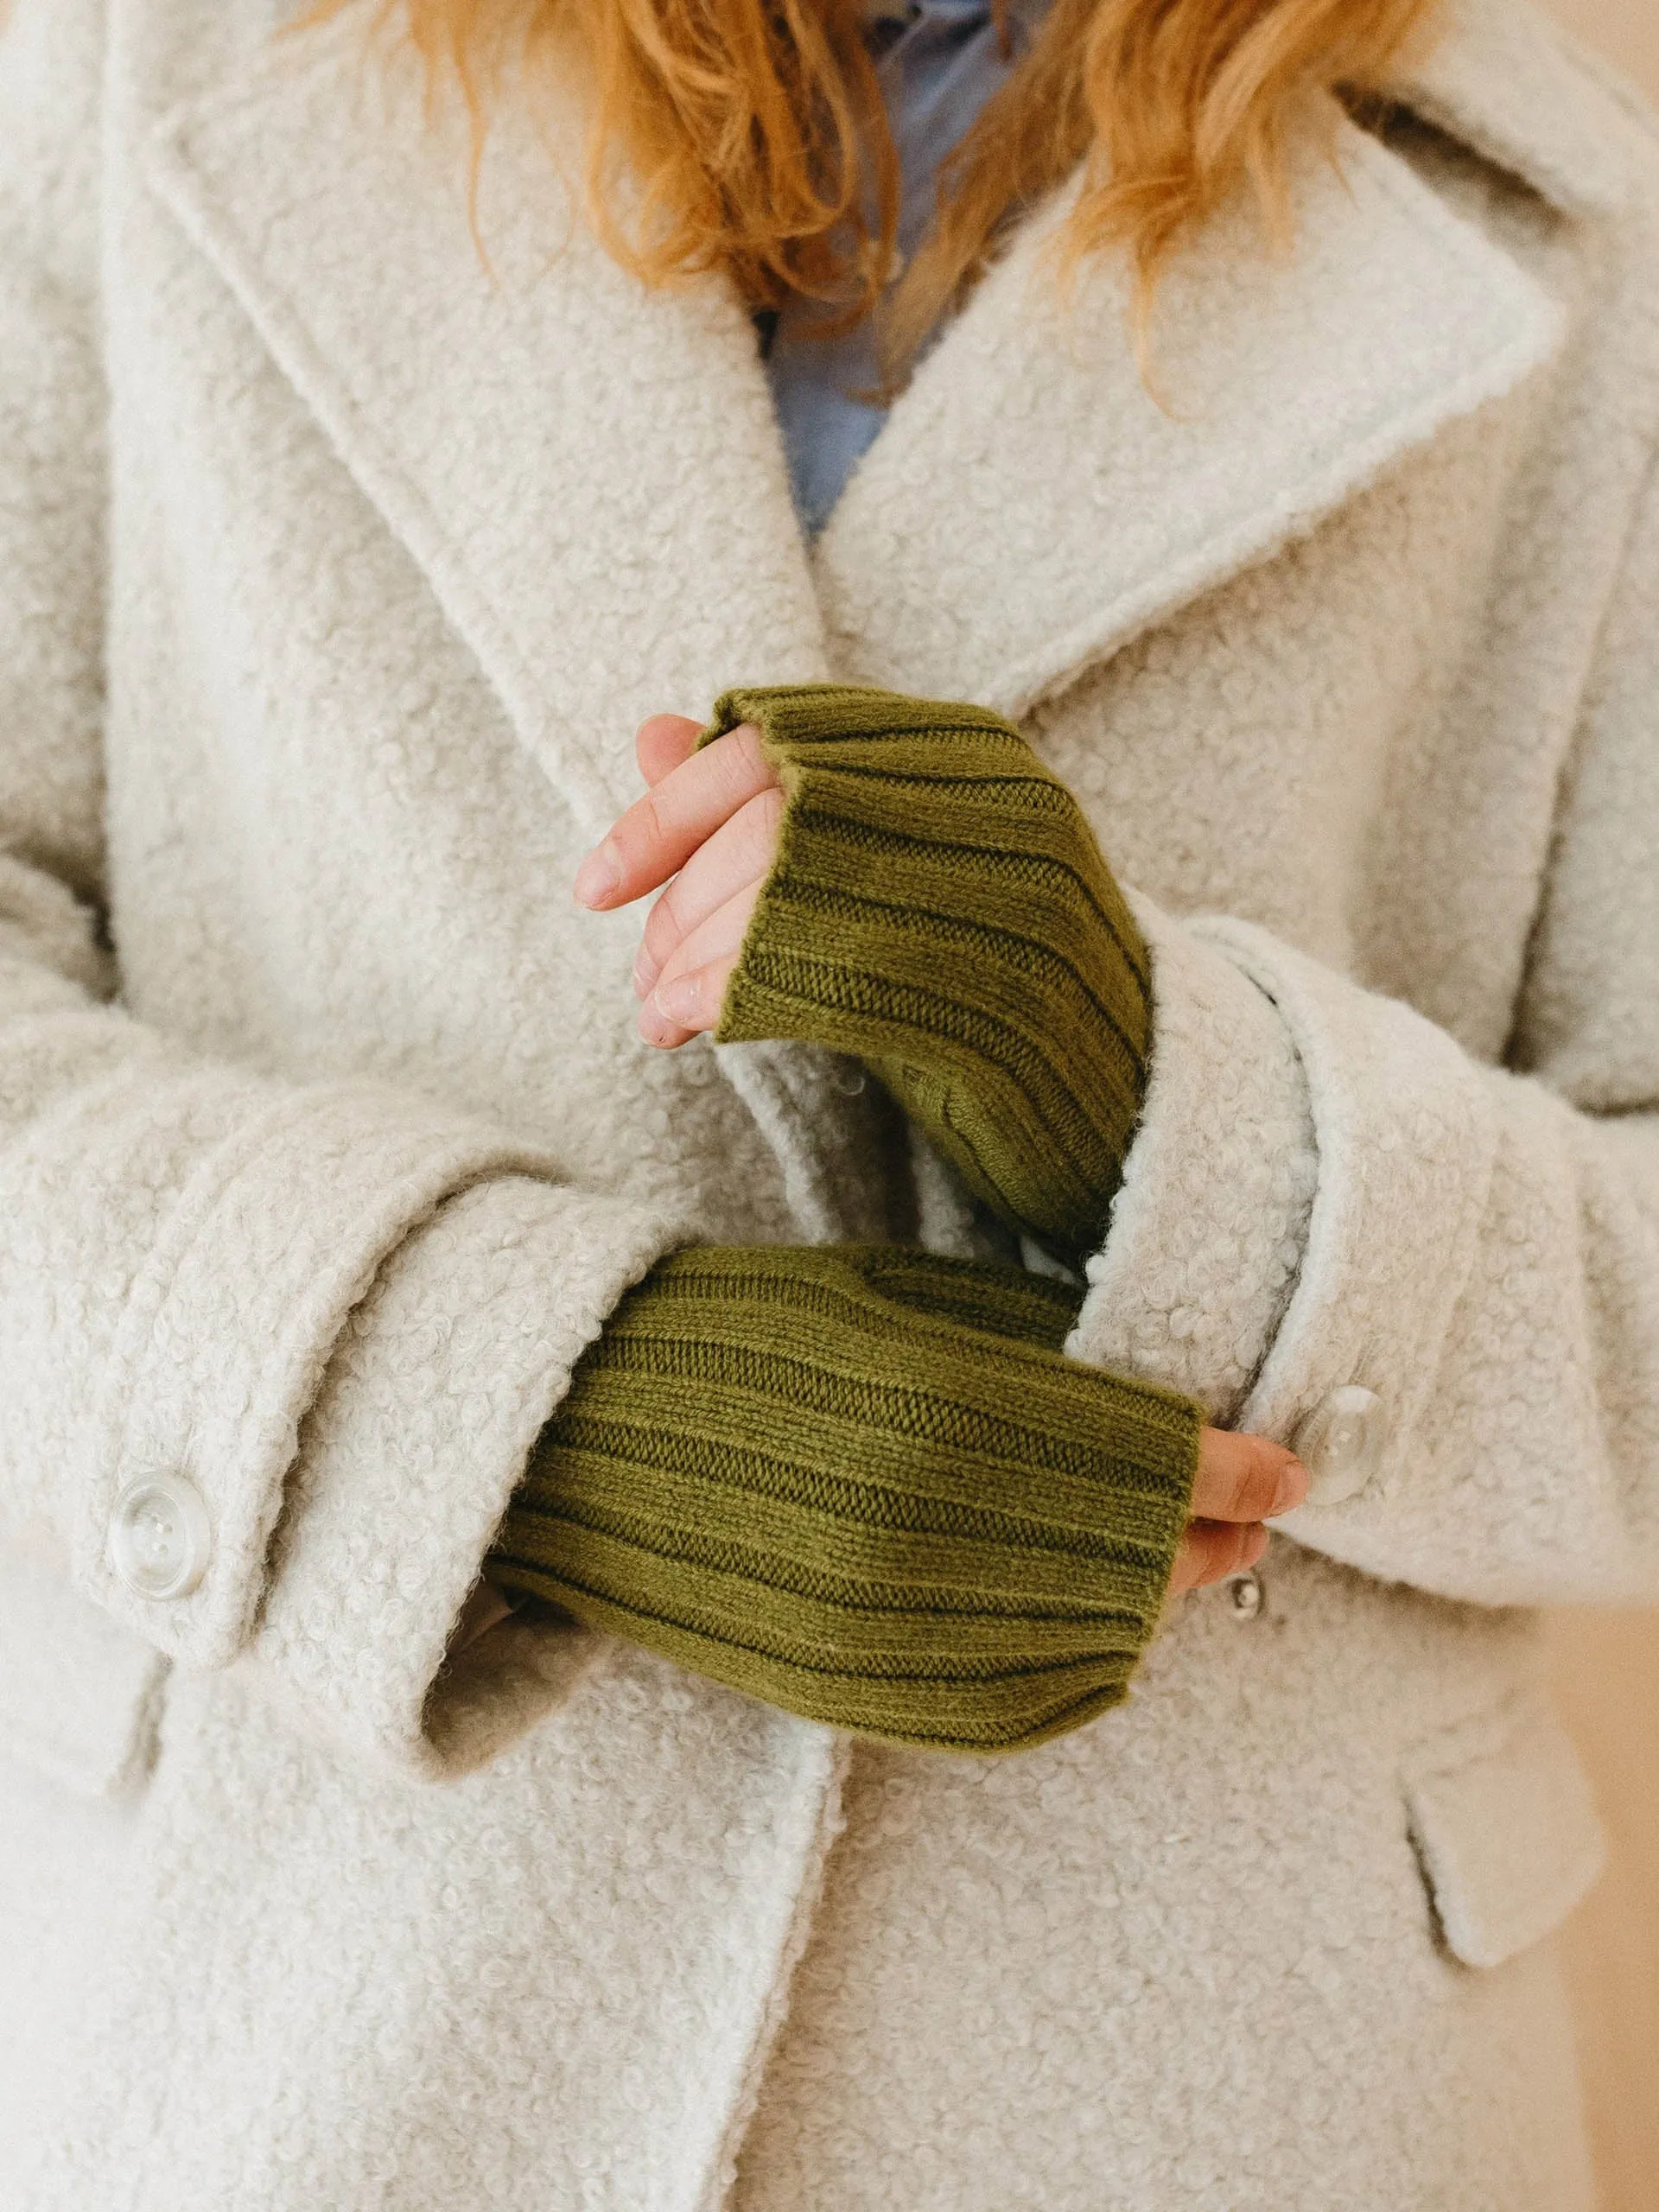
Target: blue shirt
936	76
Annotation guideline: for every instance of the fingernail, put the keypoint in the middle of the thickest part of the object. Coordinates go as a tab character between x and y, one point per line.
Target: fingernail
645	973
680	1001
1293	1488
599	874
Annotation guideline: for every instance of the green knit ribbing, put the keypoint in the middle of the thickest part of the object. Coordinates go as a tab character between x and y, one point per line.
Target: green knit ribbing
939	908
862	1484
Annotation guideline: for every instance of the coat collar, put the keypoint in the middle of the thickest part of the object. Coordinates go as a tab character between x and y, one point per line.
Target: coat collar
1031	503
1510	84
589	475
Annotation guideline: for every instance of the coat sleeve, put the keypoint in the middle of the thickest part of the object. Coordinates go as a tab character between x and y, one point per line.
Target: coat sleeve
1327	1190
293	1307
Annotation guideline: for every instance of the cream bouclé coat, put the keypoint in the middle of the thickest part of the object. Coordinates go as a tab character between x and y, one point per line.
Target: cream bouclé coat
337	565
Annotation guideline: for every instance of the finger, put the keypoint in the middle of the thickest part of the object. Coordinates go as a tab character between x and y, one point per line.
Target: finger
661	743
1210	1551
740	854
1245	1479
688	995
660	832
699	993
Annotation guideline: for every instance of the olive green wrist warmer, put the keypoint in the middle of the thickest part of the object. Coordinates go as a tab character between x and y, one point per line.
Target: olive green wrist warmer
862	1484
939	907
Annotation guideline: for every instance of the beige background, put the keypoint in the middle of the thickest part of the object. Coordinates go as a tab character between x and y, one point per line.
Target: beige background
1607	1667
1629	31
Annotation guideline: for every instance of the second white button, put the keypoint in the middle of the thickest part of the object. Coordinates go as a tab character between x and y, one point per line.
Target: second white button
161	1539
1340	1443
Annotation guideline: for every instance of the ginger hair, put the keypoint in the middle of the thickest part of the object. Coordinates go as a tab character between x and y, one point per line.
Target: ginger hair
752	138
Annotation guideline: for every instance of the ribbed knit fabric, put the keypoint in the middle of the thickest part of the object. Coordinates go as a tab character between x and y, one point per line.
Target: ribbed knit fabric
862	1483
939	908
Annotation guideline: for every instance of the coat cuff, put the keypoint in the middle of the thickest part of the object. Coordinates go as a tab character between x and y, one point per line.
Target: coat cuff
225	1332
1301	1206
1207	1231
1407	1131
440	1383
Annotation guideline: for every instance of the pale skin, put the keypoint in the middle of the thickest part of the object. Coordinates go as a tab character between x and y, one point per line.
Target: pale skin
704	836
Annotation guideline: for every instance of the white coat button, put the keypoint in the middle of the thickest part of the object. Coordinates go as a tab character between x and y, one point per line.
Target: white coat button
1340	1444
160	1540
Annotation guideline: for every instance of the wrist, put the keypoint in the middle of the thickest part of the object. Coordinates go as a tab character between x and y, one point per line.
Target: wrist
805	1473
939	909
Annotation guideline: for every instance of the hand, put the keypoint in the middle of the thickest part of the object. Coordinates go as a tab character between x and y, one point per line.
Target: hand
941	1531
902	882
709	820
1243	1481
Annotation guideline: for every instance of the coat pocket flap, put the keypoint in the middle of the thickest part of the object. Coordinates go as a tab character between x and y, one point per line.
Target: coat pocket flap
79	1692
1504	1827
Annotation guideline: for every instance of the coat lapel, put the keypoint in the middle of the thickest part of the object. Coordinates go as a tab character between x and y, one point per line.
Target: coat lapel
1031	505
588	472
591	478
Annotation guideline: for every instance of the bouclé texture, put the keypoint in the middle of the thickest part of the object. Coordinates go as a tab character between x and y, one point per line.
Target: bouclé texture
337	568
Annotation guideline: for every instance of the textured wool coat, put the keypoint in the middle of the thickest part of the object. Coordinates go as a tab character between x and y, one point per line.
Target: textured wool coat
336	566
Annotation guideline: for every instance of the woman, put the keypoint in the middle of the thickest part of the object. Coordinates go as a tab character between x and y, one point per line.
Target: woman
341	557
